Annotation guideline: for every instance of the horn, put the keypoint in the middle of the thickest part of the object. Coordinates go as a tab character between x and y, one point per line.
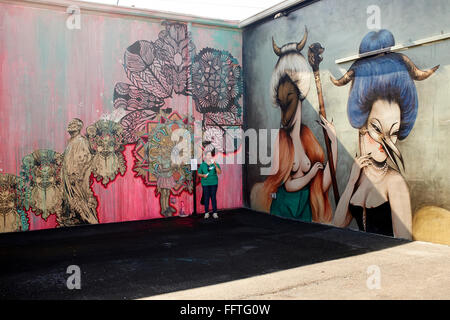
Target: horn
346	78
302	43
415	72
276	49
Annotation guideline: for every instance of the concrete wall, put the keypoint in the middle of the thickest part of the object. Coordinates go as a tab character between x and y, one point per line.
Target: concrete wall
124	77
339	26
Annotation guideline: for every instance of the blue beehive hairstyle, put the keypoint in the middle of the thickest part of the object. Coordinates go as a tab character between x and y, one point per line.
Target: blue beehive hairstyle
376	40
383	77
387	76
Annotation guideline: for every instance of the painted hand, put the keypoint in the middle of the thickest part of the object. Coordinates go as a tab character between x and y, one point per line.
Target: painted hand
316	167
329	127
359	163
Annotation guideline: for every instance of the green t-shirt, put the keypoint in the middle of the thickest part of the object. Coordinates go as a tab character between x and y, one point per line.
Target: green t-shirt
211	179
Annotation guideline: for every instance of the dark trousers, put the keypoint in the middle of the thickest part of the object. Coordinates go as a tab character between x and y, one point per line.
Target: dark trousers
209	192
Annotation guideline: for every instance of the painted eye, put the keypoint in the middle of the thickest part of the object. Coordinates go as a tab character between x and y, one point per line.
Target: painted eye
378	130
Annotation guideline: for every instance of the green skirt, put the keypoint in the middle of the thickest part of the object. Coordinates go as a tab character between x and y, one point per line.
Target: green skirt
293	205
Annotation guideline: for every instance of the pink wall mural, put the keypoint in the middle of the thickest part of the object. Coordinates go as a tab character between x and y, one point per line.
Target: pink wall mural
88	114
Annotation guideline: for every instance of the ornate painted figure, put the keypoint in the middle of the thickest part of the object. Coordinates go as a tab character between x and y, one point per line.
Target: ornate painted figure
298	187
79	201
383	107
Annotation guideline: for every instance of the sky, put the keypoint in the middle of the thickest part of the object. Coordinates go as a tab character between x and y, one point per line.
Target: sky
216	9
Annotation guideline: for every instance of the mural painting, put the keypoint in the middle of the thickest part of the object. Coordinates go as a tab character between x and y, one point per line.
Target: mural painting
161	162
156	70
13	216
79	200
171	82
138	136
60	184
106	139
43	187
217	87
383	106
299	187
159	69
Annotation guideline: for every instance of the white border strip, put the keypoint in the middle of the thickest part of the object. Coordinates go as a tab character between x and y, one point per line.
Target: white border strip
395	48
145	13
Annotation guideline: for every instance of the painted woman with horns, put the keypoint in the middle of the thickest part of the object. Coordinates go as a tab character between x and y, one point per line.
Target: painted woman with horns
383	107
298	186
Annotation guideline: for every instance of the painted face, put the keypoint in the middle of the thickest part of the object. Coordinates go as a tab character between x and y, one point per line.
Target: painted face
74	126
106	146
45	177
288	99
380	133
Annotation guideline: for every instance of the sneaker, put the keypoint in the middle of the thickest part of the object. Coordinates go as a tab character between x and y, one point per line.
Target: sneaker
207	215
215	216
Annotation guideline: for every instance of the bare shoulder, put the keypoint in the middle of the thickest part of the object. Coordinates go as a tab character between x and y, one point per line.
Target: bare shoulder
396	181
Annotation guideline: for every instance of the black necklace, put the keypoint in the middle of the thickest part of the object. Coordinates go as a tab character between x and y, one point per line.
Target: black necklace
379	165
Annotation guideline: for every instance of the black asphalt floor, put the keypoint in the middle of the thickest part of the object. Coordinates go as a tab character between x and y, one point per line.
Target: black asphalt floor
143	258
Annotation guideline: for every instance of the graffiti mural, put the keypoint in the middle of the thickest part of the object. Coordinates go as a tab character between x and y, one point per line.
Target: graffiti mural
60	184
159	69
156	70
175	47
139	106
217	88
79	201
160	160
43	192
298	187
86	181
106	144
383	106
13	217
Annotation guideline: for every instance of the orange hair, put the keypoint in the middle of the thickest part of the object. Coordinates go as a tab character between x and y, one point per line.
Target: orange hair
320	204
